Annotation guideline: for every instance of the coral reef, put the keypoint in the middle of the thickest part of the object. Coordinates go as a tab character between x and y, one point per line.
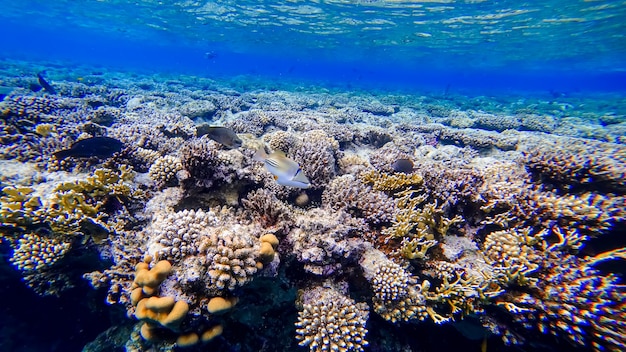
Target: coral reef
326	241
495	223
583	163
330	321
163	170
360	200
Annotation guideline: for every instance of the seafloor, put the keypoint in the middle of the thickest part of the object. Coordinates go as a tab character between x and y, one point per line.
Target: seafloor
506	234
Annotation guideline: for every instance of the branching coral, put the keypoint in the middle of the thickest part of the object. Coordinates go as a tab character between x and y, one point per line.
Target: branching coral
330	321
163	170
217	249
36	252
418	227
397	297
567	295
265	207
71	208
347	193
41	223
382	181
326	241
317	155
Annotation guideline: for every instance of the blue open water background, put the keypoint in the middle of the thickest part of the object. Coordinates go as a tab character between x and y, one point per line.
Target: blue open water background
468	46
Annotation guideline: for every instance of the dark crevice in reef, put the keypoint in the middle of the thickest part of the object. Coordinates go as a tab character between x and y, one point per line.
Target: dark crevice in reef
64	324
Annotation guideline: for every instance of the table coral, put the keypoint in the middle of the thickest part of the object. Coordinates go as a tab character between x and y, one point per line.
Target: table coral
21	105
382	181
577	162
566	294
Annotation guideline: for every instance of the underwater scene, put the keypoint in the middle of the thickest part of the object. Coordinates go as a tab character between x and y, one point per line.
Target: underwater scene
339	175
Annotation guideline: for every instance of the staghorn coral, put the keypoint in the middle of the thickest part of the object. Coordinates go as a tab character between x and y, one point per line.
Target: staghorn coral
330	321
523	255
511	253
347	193
427	223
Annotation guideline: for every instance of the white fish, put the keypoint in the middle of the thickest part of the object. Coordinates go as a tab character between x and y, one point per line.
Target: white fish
286	171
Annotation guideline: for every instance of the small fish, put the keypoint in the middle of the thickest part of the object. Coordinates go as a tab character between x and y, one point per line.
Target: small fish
222	135
402	165
286	171
101	147
45	84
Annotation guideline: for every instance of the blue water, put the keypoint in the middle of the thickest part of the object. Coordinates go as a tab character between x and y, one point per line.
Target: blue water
471	46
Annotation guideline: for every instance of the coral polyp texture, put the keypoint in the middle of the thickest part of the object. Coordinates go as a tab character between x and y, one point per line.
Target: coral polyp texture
330	321
501	222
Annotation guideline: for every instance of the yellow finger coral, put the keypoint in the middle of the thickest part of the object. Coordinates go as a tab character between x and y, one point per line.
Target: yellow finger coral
148	280
220	304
